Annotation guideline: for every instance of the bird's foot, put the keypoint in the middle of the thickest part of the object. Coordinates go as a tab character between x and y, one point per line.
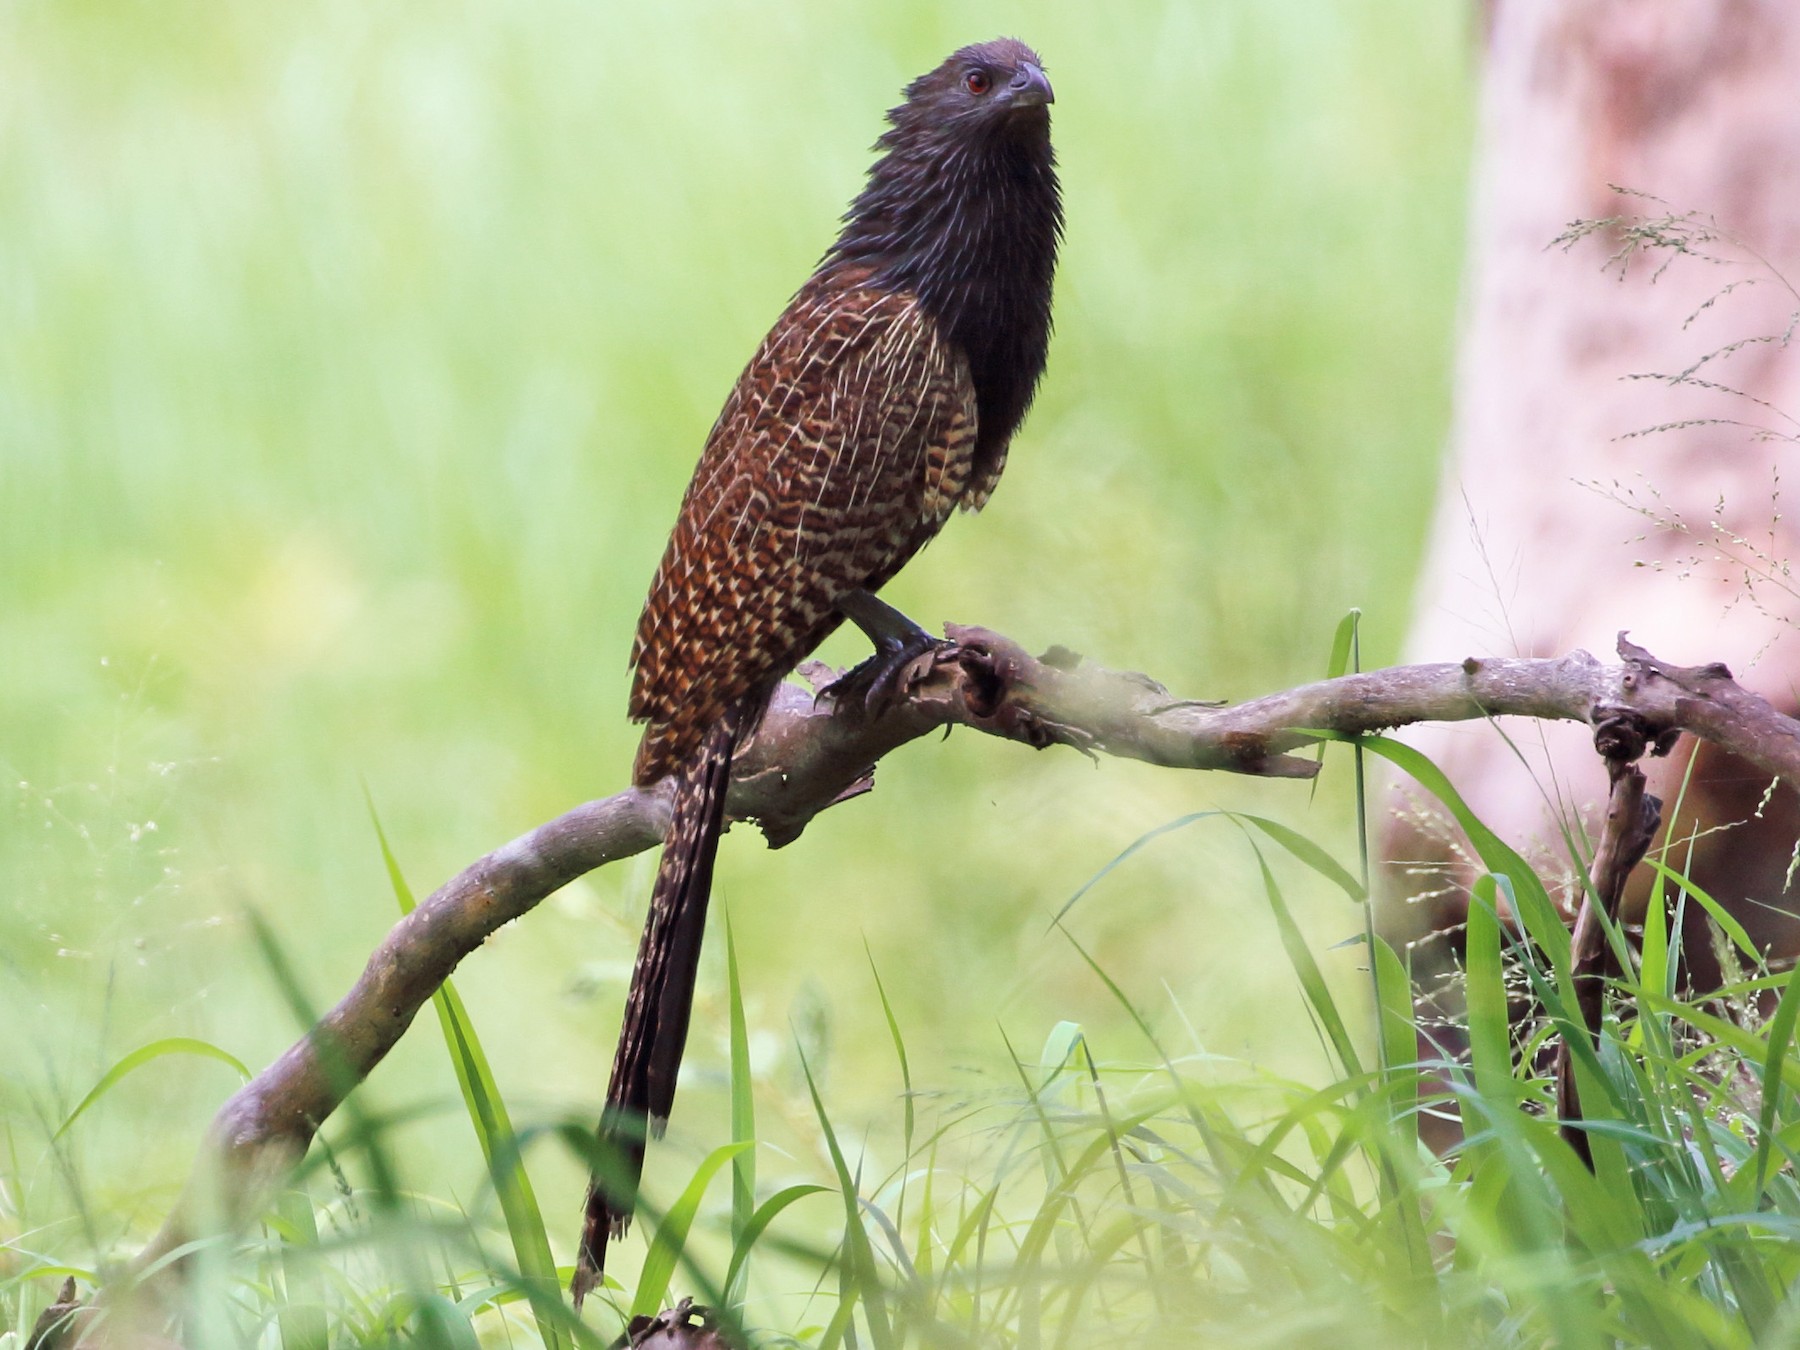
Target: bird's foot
904	655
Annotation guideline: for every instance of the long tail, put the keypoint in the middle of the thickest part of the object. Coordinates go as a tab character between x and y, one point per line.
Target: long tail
657	1009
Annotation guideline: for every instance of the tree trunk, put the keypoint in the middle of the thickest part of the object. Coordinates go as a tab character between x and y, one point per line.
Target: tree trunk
1581	498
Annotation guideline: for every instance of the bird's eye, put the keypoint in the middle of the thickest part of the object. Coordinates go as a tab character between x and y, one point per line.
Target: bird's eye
977	82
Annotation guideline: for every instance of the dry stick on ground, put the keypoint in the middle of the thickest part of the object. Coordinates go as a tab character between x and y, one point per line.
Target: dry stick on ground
1632	818
809	754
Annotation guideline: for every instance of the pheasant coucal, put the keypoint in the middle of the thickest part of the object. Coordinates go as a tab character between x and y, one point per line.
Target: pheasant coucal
884	396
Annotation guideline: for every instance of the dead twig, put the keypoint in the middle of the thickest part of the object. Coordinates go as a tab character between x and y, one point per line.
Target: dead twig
1632	819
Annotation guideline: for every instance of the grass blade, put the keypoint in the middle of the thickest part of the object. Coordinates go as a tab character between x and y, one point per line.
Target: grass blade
301	1321
863	1278
671	1234
144	1054
493	1131
770	1209
1715	911
1346	655
893	1026
1312	979
1143	839
1490	1031
1781	1035
1530	900
743	1123
1309	853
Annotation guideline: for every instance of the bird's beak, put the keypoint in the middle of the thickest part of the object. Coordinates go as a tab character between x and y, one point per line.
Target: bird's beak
1029	87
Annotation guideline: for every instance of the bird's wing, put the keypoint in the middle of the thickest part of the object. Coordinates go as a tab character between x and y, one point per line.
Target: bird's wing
844	446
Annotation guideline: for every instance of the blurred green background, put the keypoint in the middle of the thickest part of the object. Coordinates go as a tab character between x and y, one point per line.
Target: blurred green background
352	361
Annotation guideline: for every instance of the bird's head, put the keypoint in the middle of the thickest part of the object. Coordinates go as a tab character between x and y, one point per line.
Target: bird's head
962	210
997	86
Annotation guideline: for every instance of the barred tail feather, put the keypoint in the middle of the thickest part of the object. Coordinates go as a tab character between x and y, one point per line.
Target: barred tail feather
660	1002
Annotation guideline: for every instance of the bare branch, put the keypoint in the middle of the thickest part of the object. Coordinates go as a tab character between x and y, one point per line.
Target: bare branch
810	753
1632	819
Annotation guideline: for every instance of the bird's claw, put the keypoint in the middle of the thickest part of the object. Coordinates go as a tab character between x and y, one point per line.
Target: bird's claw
899	665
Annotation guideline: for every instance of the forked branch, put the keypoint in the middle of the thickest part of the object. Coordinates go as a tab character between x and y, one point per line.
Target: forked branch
810	753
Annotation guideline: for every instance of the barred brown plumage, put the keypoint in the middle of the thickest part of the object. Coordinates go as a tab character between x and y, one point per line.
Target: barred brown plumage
884	397
841	451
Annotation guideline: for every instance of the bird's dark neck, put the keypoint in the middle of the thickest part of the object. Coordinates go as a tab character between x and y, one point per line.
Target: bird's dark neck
971	228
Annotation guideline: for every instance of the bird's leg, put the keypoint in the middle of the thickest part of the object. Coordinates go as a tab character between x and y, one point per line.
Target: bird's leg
881	622
904	652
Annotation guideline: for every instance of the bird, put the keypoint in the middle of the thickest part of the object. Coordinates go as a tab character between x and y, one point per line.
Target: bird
884	398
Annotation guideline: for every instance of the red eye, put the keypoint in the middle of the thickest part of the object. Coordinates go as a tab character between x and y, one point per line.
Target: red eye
977	82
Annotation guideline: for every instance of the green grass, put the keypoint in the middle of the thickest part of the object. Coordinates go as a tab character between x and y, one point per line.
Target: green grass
1146	1188
352	361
